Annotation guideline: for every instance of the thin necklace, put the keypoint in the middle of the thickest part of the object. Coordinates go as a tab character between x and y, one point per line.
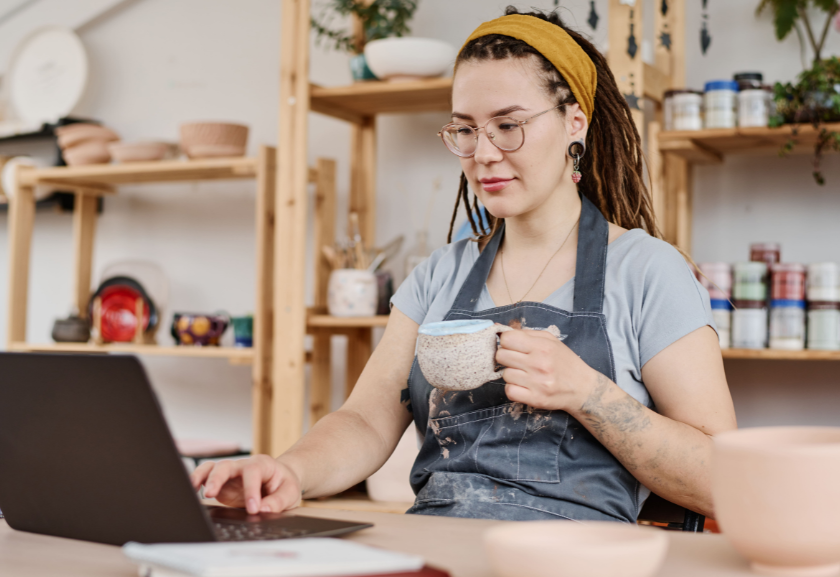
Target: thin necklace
504	276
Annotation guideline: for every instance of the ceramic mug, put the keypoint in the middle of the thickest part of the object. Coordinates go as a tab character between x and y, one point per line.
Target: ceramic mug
352	293
243	331
199	329
459	355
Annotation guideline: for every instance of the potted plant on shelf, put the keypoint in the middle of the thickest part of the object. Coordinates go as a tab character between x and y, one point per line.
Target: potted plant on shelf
373	20
815	97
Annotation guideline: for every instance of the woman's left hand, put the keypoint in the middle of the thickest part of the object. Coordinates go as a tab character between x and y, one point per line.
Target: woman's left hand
542	372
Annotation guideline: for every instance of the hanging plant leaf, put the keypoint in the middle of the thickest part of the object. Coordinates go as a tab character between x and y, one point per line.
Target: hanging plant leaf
632	46
664	7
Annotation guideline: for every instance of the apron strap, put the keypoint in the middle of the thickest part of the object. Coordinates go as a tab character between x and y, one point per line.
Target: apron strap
477	278
591	267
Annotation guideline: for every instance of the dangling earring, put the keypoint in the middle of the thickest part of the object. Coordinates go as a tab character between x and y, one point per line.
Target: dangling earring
576	150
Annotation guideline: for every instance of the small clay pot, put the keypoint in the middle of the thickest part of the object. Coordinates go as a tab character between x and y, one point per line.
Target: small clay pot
71	135
213	139
776	497
73	329
89	152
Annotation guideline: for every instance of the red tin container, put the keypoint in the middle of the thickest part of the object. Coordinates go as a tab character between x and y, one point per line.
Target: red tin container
788	282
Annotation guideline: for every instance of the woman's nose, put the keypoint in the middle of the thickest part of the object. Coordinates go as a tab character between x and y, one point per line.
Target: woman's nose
485	151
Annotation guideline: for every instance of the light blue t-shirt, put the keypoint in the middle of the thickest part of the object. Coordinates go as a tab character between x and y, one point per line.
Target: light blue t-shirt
651	299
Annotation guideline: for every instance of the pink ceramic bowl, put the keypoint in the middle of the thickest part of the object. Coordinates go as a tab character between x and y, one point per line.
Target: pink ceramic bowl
141	151
776	495
72	135
88	152
207	139
571	549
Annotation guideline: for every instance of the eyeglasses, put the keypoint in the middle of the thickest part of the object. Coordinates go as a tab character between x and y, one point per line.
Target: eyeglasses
504	132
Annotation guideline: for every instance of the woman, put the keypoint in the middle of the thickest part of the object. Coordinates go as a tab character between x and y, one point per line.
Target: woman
572	431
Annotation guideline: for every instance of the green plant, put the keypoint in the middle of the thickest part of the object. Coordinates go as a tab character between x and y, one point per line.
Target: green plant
377	19
815	100
787	14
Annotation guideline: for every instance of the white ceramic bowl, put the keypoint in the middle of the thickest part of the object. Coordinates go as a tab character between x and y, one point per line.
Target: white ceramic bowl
409	58
570	549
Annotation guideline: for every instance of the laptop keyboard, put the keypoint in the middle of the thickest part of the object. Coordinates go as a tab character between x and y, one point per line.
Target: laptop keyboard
255	531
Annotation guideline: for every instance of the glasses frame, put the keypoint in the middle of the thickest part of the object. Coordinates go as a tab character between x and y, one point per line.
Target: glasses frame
521	123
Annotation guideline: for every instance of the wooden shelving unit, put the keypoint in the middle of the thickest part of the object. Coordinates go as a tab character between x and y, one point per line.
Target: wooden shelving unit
365	99
780	355
89	183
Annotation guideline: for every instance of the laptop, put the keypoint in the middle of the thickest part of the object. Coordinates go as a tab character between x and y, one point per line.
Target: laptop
85	453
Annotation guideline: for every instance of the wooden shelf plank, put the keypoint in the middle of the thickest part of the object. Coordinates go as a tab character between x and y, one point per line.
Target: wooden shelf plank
780	355
103	175
327	321
705	145
363	99
236	355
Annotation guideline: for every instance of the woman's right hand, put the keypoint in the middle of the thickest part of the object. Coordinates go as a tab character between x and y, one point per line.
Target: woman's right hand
258	484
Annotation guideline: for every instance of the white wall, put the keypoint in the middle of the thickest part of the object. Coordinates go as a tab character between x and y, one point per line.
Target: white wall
156	63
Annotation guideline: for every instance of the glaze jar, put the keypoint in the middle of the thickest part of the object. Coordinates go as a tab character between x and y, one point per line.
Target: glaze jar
749	281
687	110
716	277
769	252
721	104
722	314
787	324
823	282
749	324
824	325
787	281
754	107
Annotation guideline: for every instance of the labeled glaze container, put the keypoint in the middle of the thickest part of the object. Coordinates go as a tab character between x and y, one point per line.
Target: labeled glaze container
748	80
769	252
716	277
749	324
755	106
823	282
722	314
721	104
749	281
687	110
824	325
787	281
787	324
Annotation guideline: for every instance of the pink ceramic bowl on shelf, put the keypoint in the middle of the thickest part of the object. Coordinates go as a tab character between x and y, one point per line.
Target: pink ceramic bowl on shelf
571	549
776	493
213	139
142	151
89	152
72	135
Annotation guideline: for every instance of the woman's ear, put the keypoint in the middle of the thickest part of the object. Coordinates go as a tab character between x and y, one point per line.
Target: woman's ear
576	122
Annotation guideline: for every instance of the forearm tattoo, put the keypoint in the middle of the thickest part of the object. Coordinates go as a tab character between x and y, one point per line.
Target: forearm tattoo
614	422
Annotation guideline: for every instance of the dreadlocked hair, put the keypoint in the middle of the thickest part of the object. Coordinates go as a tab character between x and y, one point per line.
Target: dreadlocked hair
613	163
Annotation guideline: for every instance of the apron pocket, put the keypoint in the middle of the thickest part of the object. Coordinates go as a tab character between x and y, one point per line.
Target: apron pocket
510	442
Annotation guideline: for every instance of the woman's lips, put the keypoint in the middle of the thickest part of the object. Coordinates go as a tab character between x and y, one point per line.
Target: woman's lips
494	184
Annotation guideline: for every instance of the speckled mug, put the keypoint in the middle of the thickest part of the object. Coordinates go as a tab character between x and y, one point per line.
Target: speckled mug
459	355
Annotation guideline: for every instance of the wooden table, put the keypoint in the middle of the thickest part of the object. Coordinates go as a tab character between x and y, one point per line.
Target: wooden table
451	544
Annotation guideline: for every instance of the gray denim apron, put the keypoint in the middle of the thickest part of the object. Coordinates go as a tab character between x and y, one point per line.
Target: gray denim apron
486	457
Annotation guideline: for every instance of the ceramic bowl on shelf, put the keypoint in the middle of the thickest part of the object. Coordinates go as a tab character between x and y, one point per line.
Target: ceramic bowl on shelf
144	151
88	152
213	139
71	135
569	549
776	497
409	58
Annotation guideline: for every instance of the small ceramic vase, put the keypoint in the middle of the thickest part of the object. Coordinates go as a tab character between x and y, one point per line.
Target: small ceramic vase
776	497
459	355
73	329
352	293
243	331
199	329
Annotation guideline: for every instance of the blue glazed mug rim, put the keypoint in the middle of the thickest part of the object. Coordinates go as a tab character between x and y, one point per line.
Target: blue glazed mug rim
459	327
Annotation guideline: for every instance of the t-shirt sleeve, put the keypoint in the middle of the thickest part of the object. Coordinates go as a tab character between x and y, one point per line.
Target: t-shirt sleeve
673	304
413	295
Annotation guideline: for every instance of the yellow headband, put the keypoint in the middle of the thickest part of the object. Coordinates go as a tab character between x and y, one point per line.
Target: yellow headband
556	45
